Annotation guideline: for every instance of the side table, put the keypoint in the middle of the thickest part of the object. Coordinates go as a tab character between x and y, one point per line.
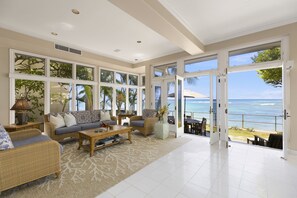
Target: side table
29	125
120	116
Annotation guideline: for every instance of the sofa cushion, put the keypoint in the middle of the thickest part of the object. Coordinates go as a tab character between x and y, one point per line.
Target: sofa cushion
95	115
34	139
5	141
109	122
87	126
82	116
57	121
105	115
148	113
65	130
69	119
137	123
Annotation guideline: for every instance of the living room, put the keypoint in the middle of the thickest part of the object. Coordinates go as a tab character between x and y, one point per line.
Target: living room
131	57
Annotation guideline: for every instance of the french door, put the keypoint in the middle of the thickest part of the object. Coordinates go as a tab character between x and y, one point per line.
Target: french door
179	106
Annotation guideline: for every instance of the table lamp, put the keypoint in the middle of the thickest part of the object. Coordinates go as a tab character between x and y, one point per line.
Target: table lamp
21	106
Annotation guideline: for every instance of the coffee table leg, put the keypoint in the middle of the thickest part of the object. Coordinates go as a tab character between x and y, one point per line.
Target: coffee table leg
79	141
92	147
129	137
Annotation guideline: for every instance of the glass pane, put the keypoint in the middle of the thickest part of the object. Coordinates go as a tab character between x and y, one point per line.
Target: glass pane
29	65
133	80
84	73
143	80
262	53
61	95
107	76
33	91
157	97
164	70
84	97
143	99
60	69
179	101
201	64
133	100
214	88
121	100
106	98
121	78
171	102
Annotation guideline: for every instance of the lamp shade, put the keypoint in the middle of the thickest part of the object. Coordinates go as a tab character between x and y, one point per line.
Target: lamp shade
21	104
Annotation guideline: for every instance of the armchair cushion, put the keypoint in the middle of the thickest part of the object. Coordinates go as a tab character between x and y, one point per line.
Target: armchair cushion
5	141
138	123
31	140
148	113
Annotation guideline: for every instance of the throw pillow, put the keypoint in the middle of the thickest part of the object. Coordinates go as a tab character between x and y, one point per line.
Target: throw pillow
5	141
58	121
105	115
69	119
148	113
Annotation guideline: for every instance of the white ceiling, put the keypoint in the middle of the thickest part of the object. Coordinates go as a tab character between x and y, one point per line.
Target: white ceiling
102	27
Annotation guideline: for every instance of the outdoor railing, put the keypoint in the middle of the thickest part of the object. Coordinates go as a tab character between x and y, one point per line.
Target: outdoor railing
274	121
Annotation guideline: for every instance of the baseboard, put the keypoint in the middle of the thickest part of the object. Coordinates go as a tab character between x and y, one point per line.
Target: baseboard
292	152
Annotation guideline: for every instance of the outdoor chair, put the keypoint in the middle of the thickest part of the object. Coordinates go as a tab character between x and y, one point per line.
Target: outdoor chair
171	120
200	128
274	141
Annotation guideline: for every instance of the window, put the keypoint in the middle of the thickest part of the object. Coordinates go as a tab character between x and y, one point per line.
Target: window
61	96
121	78
84	97
143	98
106	97
26	64
84	73
133	100
142	80
33	91
201	64
261	53
121	100
133	79
107	76
165	70
60	69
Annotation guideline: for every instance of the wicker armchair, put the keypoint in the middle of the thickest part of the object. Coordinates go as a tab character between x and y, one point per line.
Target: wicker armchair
146	125
29	162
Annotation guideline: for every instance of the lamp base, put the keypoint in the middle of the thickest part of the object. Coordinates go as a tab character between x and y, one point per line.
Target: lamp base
21	118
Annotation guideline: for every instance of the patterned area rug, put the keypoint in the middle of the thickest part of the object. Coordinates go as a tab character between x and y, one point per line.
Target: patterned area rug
83	176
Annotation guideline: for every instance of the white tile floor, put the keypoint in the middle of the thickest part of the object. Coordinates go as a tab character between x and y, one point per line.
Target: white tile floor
197	169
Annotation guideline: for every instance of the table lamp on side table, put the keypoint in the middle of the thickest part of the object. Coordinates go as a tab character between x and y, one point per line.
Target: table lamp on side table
21	106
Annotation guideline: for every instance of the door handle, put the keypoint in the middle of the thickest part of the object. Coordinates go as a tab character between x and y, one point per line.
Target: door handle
286	114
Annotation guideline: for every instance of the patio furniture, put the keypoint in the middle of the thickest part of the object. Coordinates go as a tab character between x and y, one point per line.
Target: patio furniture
34	156
171	120
145	123
200	128
189	123
274	141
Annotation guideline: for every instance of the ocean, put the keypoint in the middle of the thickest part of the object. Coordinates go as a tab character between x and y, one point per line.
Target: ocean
258	114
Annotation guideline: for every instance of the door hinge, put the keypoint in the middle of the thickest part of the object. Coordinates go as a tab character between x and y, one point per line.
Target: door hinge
219	129
219	80
226	111
219	105
286	114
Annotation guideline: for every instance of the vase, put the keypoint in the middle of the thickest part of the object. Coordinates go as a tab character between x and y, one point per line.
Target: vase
161	130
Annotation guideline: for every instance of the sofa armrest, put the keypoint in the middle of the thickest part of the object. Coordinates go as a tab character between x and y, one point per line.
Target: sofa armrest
150	121
114	118
49	129
23	134
135	118
27	163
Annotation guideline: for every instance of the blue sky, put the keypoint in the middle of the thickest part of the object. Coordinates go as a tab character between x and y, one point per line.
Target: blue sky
241	85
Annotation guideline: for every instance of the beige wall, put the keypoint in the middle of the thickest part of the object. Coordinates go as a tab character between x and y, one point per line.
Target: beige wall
13	40
288	30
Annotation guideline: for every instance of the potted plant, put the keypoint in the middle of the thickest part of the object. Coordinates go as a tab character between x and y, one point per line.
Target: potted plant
162	127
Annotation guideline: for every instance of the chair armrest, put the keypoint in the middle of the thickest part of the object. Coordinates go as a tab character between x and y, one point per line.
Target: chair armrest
23	134
260	141
27	163
135	118
114	118
150	121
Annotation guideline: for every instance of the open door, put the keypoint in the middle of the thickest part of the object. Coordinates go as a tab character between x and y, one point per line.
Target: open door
156	96
179	106
287	66
213	128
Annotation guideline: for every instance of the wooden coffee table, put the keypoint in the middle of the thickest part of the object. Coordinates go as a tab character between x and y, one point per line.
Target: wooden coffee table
94	137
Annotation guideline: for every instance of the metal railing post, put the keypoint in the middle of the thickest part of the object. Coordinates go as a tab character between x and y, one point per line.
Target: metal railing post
242	120
275	123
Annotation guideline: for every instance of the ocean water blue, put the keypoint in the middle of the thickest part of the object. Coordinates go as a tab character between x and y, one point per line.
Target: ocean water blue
259	114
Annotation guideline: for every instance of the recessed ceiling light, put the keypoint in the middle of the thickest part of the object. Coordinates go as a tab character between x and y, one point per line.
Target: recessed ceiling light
138	41
75	11
117	50
54	33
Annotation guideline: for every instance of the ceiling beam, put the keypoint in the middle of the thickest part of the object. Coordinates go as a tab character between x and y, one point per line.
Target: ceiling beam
155	16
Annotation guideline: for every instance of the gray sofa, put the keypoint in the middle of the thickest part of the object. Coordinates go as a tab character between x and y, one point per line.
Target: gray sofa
85	120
